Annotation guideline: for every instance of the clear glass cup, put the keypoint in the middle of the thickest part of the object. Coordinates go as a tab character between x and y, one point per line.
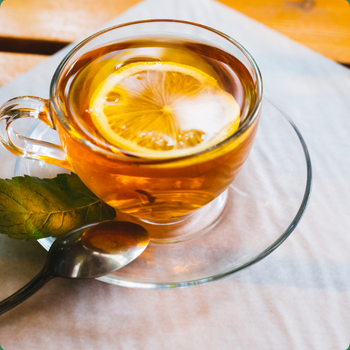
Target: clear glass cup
171	196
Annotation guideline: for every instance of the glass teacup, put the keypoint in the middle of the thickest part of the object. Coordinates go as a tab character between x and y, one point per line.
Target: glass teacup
159	174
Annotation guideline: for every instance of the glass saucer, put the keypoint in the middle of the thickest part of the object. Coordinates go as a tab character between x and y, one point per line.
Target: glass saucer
264	205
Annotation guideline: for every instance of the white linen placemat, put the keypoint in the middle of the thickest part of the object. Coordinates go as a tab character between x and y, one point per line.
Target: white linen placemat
296	298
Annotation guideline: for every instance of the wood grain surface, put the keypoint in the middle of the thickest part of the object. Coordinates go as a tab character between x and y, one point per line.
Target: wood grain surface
31	30
322	25
57	20
41	27
14	64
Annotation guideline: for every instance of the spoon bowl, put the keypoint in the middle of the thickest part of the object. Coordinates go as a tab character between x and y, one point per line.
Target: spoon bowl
95	250
88	251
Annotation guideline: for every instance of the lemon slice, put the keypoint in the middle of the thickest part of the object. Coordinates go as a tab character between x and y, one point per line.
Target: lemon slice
163	110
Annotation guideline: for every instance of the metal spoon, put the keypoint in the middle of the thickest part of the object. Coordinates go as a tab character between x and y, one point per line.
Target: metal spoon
88	251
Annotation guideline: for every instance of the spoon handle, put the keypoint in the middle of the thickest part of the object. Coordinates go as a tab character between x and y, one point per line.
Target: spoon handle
25	292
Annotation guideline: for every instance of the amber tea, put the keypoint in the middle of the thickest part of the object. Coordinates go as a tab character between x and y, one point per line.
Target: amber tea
166	107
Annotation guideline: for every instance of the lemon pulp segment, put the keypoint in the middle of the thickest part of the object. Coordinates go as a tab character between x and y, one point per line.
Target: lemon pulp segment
163	110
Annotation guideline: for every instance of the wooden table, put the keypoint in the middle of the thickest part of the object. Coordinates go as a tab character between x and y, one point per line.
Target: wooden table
32	30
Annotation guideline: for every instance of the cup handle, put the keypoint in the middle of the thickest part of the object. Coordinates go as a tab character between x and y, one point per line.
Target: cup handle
20	145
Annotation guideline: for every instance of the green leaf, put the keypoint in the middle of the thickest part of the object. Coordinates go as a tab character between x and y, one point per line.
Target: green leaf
1	1
33	208
349	4
0	345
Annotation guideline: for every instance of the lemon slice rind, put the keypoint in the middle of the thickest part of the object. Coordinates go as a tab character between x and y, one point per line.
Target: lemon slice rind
213	100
